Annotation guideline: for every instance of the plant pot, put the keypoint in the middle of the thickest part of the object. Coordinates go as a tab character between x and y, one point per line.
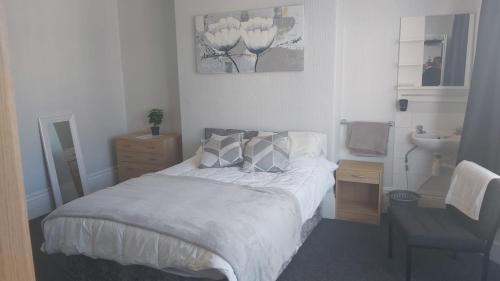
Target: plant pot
155	131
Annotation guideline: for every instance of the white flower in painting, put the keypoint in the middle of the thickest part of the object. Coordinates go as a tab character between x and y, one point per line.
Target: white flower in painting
258	34
224	34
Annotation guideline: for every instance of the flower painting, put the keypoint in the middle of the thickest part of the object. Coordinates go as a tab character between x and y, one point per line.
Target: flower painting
262	40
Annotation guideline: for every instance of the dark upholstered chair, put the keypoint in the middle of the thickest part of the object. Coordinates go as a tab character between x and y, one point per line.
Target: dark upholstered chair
448	229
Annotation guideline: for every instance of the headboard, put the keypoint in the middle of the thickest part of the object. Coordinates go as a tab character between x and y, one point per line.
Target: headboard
227	132
297	137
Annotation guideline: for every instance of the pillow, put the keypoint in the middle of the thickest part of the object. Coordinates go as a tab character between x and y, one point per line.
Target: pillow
303	144
267	153
222	151
307	144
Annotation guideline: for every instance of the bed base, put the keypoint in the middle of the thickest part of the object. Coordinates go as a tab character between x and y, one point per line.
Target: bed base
82	268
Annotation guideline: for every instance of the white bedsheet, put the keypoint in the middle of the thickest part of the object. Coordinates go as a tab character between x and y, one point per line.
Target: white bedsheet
308	180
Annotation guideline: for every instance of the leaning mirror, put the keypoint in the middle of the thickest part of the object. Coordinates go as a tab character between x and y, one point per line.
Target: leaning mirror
63	157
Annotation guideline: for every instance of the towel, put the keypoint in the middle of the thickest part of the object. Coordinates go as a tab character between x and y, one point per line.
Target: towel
367	138
467	188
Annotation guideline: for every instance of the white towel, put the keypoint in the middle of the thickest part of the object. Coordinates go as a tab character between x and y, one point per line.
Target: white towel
467	188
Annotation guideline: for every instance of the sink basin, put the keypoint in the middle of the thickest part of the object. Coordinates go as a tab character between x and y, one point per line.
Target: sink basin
436	142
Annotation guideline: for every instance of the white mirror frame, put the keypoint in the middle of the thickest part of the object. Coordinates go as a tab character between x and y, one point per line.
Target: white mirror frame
44	123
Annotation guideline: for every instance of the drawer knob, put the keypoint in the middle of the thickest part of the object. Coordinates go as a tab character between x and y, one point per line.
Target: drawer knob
358	176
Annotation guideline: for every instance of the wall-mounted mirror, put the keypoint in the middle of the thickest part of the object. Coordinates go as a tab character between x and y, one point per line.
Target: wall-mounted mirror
63	157
435	52
445	50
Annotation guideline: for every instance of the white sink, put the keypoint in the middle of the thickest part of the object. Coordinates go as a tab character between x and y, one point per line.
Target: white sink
436	142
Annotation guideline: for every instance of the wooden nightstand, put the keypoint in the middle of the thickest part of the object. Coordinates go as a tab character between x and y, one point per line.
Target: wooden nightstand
138	154
359	191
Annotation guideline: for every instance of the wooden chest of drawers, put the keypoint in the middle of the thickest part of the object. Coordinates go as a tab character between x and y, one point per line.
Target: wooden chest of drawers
359	191
138	154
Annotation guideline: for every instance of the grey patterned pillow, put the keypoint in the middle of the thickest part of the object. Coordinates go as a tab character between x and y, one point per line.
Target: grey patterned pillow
267	153
222	151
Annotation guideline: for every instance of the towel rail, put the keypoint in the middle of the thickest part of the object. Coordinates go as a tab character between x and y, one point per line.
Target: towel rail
345	122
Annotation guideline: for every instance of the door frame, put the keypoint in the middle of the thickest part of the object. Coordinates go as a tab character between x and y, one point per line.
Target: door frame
16	257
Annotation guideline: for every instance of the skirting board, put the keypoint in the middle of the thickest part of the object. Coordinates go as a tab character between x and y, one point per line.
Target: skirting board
40	203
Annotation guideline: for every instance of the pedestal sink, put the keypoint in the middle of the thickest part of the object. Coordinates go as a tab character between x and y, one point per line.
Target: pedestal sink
436	142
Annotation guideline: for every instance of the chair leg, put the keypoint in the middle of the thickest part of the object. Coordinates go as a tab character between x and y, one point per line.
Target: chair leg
486	263
408	263
389	242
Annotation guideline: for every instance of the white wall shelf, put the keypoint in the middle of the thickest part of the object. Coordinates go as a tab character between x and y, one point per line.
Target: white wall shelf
433	94
433	88
410	40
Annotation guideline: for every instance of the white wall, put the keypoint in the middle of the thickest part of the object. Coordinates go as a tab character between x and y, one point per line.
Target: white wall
370	57
276	101
147	34
66	56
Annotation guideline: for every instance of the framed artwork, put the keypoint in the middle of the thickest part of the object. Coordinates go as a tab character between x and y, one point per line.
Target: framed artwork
262	40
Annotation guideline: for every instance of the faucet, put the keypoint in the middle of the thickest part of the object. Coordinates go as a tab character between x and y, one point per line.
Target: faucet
420	129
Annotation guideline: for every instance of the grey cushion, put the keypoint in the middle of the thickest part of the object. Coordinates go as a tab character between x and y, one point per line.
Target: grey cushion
267	153
427	227
222	151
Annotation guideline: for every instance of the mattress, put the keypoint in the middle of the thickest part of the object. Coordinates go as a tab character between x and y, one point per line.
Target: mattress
308	179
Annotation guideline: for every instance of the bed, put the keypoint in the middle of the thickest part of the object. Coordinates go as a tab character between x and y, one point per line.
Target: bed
134	223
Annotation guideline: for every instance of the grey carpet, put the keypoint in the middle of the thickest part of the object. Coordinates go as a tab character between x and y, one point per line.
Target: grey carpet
335	251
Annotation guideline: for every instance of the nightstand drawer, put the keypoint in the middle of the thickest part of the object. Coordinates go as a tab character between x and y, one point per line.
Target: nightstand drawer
358	176
140	157
137	146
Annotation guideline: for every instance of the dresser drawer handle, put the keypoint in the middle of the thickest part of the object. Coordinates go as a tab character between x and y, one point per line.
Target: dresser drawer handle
150	147
358	176
152	159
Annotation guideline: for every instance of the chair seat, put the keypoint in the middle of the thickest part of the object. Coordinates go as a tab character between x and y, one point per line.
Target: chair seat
436	228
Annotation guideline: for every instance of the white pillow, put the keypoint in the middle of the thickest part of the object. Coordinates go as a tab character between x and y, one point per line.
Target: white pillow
307	144
304	144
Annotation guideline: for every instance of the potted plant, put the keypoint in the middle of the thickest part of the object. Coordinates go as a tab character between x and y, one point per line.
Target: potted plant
155	118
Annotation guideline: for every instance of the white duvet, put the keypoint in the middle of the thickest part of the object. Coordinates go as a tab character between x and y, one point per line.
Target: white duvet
308	179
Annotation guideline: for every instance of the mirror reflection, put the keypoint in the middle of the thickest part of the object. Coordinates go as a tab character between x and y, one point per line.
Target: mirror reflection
445	50
65	161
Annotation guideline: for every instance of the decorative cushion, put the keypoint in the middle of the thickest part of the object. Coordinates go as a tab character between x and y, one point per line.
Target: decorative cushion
267	153
222	151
